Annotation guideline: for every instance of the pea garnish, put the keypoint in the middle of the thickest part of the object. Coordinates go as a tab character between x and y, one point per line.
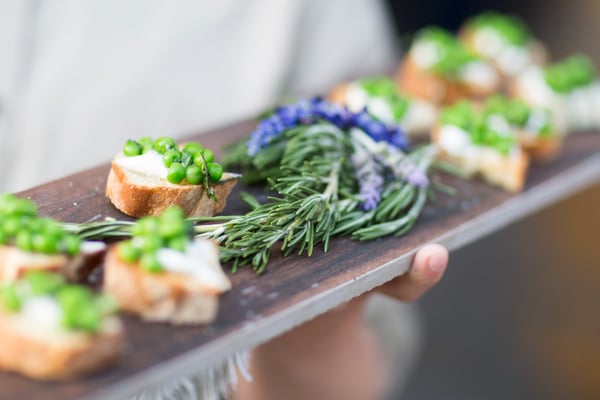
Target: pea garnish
81	309
190	164
149	234
569	74
21	227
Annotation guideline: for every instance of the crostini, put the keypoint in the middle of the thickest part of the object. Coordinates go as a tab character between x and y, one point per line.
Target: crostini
148	176
533	126
439	69
165	274
55	331
481	145
381	98
570	88
30	242
505	41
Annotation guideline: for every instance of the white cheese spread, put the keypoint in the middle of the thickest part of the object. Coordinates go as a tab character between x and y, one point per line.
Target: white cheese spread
150	164
200	261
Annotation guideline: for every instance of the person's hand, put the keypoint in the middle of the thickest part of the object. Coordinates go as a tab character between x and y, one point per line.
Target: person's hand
335	355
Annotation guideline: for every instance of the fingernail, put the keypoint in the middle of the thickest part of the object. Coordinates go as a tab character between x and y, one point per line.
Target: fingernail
436	262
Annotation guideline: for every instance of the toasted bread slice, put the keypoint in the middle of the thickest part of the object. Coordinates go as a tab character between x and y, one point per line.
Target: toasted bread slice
173	297
540	149
418	82
139	195
15	262
56	355
508	172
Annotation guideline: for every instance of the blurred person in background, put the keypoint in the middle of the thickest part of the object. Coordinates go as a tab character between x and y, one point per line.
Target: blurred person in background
78	78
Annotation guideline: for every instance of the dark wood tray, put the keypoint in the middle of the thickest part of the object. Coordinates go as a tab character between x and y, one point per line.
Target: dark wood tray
293	289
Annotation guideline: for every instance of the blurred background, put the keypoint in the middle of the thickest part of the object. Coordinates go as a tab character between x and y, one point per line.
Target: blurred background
516	316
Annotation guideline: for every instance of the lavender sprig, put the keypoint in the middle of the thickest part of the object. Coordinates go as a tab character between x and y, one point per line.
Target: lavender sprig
307	112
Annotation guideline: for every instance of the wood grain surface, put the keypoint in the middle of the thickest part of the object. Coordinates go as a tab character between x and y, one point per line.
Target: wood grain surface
293	289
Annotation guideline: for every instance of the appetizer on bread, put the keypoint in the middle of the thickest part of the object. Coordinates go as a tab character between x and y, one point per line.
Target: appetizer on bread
504	40
163	273
439	69
30	242
381	98
533	126
481	145
570	88
53	331
150	175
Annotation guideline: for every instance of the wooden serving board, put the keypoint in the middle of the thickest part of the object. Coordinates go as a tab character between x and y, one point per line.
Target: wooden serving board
294	289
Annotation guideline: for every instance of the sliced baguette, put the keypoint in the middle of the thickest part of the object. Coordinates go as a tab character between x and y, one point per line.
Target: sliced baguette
56	355
167	296
507	172
15	262
541	149
420	83
140	195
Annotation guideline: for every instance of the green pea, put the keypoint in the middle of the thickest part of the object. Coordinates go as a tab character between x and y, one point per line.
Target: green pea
172	222
178	243
164	143
215	171
200	162
193	148
23	240
128	252
43	282
146	142
82	318
132	148
43	243
10	298
171	156
12	224
150	263
209	156
145	226
176	173
71	244
193	174
151	243
17	207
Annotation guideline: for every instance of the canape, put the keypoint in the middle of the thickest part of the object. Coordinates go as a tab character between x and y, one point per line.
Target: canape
54	331
148	176
533	126
505	41
30	242
570	88
439	69
165	274
481	145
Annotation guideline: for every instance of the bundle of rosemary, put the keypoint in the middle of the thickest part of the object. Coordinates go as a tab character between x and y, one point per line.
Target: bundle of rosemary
328	172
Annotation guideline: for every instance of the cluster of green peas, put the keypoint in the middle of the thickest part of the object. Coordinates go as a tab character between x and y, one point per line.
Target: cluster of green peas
192	162
81	309
149	234
20	226
571	73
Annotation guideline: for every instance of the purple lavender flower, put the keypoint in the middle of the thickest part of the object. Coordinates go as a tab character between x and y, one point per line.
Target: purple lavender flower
306	112
418	178
368	173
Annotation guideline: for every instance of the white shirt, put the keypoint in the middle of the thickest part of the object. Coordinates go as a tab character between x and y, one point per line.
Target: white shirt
78	78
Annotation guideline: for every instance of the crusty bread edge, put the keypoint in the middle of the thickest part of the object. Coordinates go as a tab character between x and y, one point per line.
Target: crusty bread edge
139	201
166	297
511	177
49	361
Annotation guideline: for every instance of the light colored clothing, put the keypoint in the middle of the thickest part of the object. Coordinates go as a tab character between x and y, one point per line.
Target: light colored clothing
78	78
